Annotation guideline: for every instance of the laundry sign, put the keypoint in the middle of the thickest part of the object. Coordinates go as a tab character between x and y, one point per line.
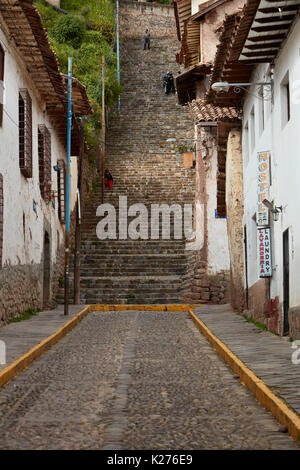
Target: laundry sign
263	185
264	252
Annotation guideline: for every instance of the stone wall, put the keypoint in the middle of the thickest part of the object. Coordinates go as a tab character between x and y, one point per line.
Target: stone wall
234	210
136	17
210	288
21	289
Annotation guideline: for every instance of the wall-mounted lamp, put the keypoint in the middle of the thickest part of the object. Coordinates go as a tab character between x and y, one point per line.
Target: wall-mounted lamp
275	210
224	86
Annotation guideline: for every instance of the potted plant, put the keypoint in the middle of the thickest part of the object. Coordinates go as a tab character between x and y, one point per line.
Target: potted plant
187	153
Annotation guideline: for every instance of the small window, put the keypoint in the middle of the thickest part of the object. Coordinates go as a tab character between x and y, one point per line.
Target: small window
44	153
285	100
25	133
207	82
61	191
1	84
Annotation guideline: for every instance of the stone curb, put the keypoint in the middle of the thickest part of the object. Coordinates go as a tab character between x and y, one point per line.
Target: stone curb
23	361
248	378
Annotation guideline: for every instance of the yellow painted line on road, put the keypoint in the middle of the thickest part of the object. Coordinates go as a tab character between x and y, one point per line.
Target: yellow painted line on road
23	361
262	392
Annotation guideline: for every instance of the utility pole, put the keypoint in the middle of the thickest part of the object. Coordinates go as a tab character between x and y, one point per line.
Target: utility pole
118	53
68	189
103	125
78	217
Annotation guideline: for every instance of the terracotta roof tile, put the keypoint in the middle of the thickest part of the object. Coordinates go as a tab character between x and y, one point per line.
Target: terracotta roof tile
202	111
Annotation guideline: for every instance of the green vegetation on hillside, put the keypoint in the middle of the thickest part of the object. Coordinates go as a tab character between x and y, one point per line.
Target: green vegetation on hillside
86	33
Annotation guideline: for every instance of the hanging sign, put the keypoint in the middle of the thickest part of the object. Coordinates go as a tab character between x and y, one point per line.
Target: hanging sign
264	252
263	185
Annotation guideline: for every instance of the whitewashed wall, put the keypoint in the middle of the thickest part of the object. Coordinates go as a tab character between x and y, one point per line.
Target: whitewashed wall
195	5
19	192
218	254
283	142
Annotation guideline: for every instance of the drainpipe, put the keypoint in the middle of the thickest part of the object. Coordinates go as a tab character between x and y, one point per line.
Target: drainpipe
68	191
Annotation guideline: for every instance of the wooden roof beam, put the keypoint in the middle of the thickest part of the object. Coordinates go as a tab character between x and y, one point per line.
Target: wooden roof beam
294	7
269	45
273	27
274	19
260	54
256	61
270	37
278	1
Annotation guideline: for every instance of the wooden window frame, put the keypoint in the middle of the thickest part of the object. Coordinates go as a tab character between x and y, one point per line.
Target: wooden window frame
44	155
2	58
25	133
61	185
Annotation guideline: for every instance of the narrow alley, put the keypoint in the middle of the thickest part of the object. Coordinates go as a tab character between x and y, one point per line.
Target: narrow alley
149	243
134	380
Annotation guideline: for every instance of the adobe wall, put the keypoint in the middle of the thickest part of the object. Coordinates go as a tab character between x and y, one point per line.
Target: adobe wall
234	210
135	18
213	20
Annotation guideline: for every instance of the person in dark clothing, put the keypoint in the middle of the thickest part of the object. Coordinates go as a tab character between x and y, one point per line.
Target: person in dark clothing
108	179
147	39
169	83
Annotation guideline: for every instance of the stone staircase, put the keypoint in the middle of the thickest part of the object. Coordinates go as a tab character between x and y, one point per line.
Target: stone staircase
147	170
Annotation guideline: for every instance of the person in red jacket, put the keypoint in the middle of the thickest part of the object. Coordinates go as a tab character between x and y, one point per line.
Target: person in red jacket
108	179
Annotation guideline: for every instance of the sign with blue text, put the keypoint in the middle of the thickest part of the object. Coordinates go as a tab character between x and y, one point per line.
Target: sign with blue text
263	184
264	252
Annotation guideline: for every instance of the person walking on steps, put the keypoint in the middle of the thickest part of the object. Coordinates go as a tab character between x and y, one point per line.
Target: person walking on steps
108	179
168	83
147	39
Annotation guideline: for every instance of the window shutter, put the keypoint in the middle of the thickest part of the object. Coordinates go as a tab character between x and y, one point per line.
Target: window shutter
61	184
25	133
44	153
1	83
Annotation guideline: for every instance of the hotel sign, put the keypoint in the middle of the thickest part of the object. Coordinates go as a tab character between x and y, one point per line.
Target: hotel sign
263	185
264	252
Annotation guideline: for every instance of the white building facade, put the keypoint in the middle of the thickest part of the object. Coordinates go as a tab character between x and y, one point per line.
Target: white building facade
32	165
271	135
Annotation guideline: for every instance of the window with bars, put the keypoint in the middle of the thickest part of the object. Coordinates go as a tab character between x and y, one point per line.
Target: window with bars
61	180
44	154
25	133
1	218
1	83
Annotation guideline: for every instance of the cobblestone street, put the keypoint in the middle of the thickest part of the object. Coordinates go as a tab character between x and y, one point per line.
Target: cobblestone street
134	380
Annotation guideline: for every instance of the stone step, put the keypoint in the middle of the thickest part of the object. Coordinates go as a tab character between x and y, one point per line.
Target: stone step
147	170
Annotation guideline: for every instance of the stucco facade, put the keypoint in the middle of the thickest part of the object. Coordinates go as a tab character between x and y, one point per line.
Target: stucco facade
33	235
272	125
